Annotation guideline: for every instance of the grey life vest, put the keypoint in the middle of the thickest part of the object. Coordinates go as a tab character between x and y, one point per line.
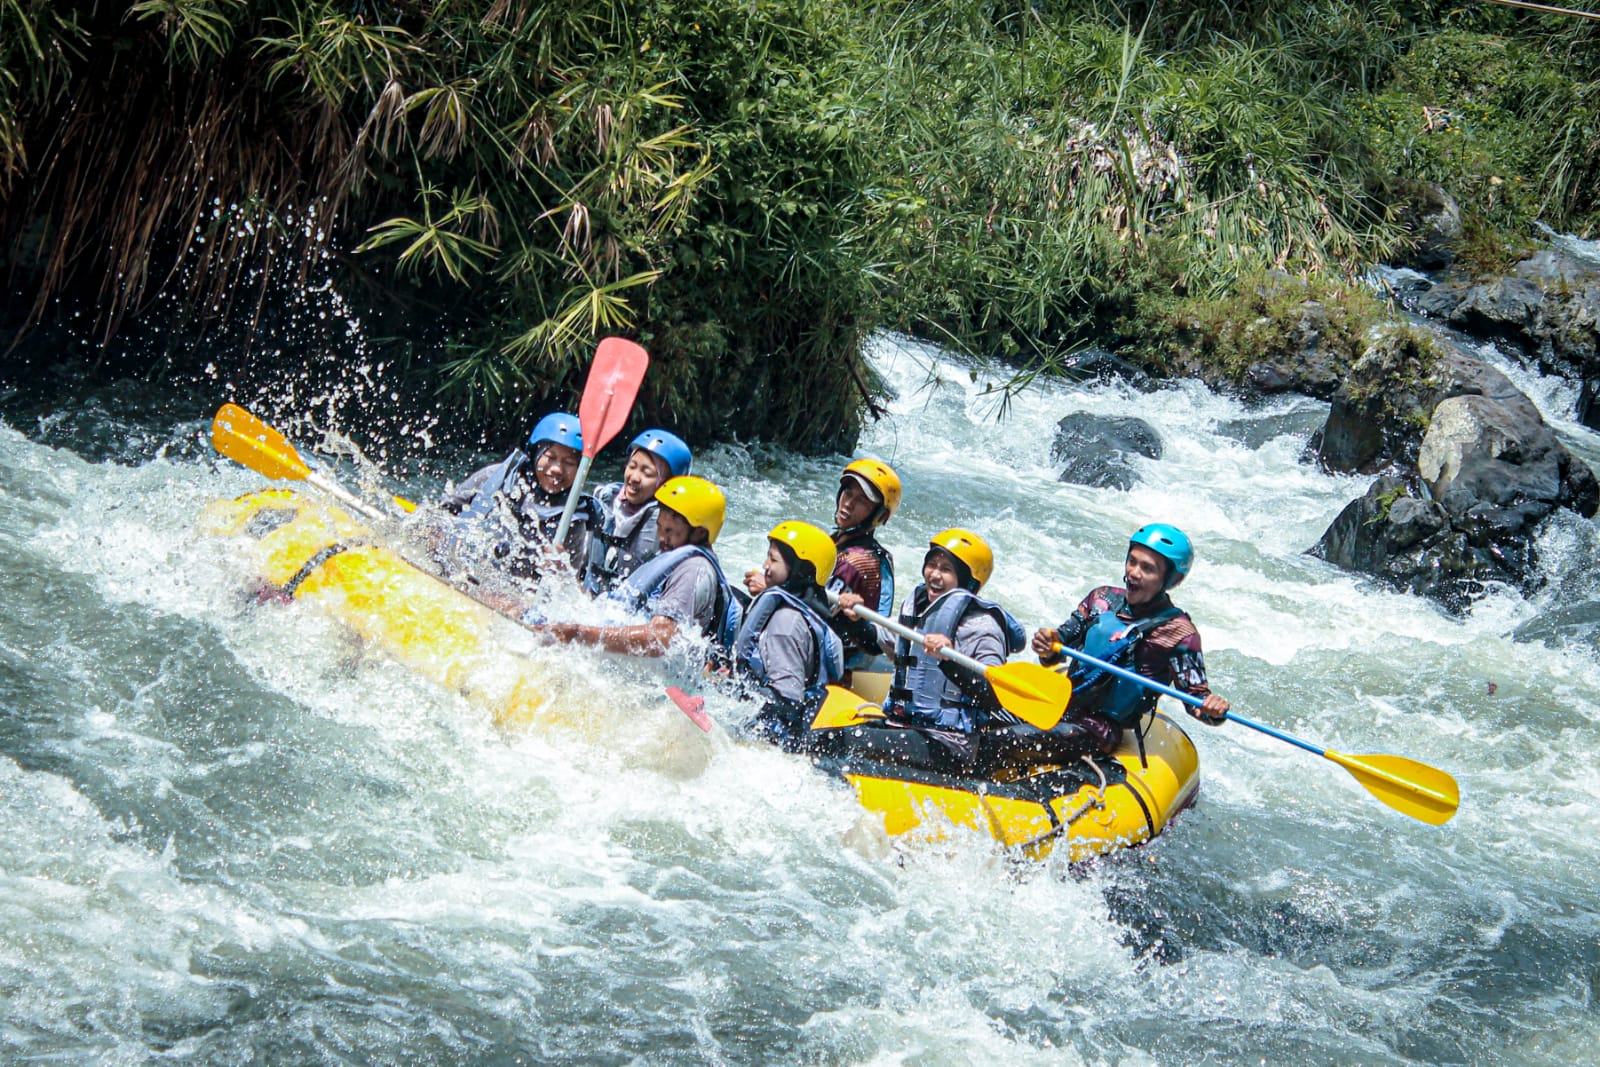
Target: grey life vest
470	528
827	665
641	587
918	689
613	555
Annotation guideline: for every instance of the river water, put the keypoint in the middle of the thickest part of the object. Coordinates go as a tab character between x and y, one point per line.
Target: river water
231	836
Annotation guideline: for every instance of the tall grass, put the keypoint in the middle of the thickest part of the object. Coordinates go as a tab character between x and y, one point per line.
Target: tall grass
752	187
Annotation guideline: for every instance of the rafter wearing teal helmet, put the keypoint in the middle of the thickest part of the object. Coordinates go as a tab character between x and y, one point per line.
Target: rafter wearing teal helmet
1171	544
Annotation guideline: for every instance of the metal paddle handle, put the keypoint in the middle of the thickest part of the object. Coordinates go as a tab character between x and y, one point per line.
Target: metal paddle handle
895	627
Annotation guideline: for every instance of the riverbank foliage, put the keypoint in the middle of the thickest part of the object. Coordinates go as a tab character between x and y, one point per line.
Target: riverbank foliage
750	188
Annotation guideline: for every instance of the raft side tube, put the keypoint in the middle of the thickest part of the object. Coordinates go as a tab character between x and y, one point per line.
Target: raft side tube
1096	805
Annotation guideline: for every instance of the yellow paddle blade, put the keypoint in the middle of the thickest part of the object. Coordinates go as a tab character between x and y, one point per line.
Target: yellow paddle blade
247	440
1031	691
843	708
1425	793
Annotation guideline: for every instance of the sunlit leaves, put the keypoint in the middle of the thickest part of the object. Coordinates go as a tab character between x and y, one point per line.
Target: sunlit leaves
438	240
197	30
332	50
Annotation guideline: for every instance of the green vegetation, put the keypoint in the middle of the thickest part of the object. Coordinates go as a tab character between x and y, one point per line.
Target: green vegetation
752	187
1266	317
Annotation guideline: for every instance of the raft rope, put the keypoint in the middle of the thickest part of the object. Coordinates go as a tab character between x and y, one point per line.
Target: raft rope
1059	826
323	555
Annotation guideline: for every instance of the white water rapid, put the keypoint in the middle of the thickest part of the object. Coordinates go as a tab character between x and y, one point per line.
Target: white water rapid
229	835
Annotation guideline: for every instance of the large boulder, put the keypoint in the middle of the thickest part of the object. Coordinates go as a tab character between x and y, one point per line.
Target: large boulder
1488	472
1547	310
1373	419
1433	218
1098	449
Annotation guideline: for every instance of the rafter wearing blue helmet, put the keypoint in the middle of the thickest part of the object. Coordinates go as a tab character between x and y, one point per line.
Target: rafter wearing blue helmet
1135	626
625	538
507	513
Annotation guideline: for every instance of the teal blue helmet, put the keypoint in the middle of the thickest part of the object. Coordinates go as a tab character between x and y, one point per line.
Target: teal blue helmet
557	428
667	447
1171	544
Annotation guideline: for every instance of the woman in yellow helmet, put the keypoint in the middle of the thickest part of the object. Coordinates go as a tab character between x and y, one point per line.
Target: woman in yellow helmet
869	492
682	587
936	709
785	649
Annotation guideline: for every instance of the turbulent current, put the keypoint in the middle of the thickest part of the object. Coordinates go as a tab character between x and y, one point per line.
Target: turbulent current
229	834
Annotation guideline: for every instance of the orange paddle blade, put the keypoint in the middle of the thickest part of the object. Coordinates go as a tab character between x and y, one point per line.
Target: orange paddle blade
608	396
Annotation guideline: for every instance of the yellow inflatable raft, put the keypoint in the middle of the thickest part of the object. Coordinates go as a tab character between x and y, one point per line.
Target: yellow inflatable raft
307	550
1093	806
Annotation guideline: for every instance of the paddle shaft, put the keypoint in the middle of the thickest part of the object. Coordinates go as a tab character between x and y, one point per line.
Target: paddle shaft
1187	698
573	495
344	496
894	627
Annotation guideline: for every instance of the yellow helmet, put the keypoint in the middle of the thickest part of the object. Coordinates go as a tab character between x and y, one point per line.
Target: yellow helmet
809	545
701	503
970	550
878	480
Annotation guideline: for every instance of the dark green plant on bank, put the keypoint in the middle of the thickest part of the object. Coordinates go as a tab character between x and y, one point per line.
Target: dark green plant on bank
518	181
751	188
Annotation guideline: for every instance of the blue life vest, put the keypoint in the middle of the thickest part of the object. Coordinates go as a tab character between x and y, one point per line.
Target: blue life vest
828	652
1113	639
918	689
613	556
641	587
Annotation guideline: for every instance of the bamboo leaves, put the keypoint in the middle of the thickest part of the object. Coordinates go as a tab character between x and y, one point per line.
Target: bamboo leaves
333	52
438	240
197	30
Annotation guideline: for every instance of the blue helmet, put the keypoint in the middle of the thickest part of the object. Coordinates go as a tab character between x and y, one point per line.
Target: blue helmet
1171	544
557	428
669	448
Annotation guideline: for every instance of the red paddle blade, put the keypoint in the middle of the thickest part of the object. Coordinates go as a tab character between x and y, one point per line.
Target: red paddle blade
694	707
614	378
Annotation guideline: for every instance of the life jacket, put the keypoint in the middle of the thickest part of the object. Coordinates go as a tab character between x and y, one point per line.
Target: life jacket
859	656
1113	639
827	665
614	556
856	537
918	689
640	589
520	559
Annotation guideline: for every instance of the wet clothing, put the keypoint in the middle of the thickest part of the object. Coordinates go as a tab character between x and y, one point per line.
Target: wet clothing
506	520
787	651
687	586
935	708
930	690
621	542
864	567
1158	641
786	647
